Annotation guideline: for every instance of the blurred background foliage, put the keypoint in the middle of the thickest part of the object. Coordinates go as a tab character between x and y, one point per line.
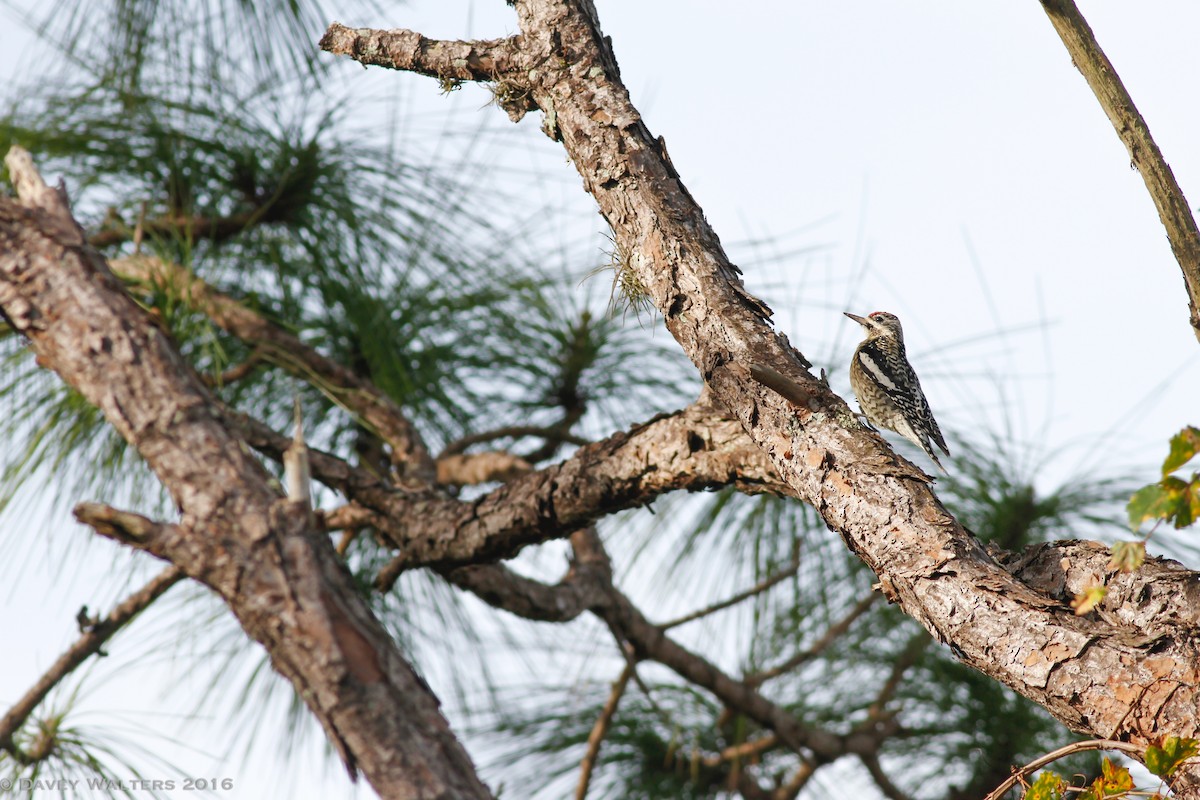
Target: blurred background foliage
215	127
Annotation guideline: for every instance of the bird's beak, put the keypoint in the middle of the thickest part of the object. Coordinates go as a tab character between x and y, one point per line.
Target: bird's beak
856	318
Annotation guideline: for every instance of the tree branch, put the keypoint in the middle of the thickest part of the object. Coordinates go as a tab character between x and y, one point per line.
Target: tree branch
693	449
1133	131
1085	673
410	51
813	650
554	433
762	586
889	789
1063	752
87	645
599	731
593	591
279	576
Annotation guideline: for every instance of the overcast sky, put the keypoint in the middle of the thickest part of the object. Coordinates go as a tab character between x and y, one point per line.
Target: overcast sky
940	160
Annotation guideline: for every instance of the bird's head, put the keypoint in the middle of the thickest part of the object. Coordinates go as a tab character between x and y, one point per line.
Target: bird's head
879	323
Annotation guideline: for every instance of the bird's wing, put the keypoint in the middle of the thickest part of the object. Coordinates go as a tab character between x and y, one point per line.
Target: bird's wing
893	374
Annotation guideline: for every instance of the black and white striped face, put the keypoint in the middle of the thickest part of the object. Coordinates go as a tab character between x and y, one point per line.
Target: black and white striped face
879	323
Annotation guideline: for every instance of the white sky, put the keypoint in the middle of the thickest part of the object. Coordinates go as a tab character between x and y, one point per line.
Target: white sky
950	148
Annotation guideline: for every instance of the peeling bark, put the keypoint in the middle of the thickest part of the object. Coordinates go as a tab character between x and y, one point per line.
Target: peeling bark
1102	677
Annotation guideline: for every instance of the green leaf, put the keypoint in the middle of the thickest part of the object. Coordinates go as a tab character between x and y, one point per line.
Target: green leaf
1184	446
1048	786
1127	556
1160	500
1113	780
1192	502
1088	599
1165	757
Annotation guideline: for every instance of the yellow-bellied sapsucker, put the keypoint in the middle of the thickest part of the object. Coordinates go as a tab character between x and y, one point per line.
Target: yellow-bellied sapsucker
886	386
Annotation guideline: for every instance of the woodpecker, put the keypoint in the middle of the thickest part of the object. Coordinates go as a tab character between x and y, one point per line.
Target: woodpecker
887	387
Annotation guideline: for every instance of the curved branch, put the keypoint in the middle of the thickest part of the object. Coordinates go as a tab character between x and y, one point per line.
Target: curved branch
554	433
1063	752
1131	127
693	449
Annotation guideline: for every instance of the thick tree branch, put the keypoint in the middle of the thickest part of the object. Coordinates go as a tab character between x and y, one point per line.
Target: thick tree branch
280	577
409	50
1133	131
1086	673
375	410
87	645
693	449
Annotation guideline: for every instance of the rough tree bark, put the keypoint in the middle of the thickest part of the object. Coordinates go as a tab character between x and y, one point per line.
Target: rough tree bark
1131	674
1128	673
262	554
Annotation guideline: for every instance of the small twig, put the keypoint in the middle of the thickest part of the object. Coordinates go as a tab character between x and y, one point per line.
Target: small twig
348	537
387	576
574	410
236	372
835	630
1062	752
140	230
553	433
600	730
85	646
757	589
907	658
800	778
889	789
754	747
123	526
